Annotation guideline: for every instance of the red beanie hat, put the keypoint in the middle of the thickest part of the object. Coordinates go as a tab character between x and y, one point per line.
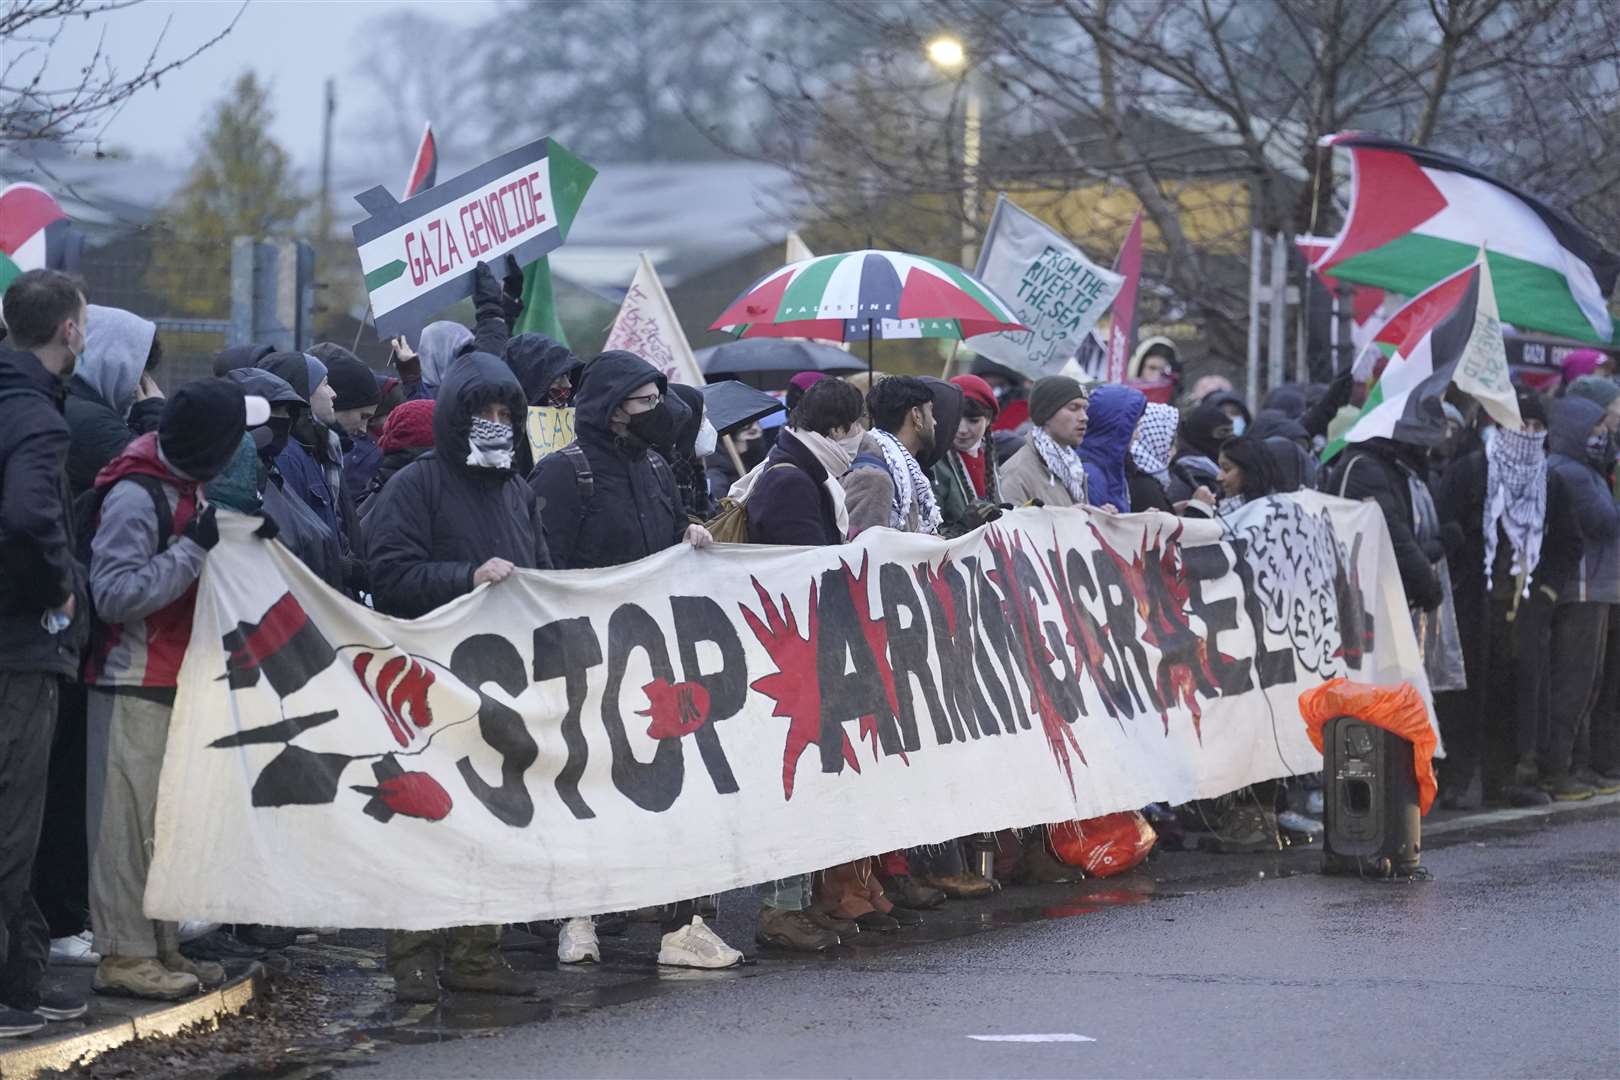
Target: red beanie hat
976	388
409	427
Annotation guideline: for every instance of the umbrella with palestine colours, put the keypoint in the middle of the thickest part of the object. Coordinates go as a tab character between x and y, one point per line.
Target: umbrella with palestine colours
867	295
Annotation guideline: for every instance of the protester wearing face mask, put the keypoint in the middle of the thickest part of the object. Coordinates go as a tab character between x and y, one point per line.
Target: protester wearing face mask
300	529
42	618
154	531
447	523
547	369
1580	454
611	498
630	507
112	397
695	440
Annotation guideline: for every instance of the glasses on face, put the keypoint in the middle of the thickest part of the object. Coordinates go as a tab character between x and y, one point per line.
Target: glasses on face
644	402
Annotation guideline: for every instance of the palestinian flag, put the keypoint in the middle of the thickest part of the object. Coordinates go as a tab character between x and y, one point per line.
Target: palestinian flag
1417	217
1452	334
570	179
33	231
425	166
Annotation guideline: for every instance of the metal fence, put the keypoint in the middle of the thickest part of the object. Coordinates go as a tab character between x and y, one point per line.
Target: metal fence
206	297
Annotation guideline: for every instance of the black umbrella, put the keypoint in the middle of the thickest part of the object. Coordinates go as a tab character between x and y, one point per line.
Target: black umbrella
784	357
731	405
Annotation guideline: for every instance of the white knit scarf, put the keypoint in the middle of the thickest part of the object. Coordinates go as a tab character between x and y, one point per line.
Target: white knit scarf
835	459
1063	464
910	486
1516	496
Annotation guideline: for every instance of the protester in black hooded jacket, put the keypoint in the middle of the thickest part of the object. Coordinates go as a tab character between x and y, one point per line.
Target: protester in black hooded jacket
440	521
1198	443
632	508
111	398
547	369
691	476
1381	470
456	518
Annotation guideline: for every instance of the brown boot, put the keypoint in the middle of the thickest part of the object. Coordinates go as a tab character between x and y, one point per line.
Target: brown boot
904	890
842	927
796	931
142	977
207	972
964	886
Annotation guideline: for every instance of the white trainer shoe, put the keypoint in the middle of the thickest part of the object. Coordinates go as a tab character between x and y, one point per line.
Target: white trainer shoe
577	944
76	950
696	946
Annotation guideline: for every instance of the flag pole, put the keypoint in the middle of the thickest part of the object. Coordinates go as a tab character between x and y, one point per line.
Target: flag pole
731	450
945	371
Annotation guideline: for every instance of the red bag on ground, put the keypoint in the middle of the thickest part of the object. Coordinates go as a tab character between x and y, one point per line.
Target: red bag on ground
1397	709
1103	846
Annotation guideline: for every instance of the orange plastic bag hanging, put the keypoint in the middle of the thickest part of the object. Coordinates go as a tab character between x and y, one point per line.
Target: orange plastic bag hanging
1397	709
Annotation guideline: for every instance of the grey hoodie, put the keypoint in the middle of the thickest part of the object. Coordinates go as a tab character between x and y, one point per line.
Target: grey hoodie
438	345
116	344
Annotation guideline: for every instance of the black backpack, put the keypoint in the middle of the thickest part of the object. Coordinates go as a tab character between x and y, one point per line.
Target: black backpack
87	515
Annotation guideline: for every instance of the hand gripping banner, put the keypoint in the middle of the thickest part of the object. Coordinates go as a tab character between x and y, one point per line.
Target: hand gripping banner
567	743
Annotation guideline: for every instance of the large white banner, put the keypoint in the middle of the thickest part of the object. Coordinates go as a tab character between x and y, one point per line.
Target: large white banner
575	742
1056	292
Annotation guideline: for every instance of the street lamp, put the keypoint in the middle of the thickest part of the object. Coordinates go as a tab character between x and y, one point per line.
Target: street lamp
947	53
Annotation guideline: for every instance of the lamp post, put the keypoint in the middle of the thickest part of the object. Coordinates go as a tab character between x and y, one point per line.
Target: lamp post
948	54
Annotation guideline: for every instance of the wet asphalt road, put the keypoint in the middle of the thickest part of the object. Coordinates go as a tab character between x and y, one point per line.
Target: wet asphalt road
1506	964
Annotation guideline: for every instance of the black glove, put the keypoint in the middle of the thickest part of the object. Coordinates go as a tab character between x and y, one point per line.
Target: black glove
268	529
202	529
486	290
512	290
982	513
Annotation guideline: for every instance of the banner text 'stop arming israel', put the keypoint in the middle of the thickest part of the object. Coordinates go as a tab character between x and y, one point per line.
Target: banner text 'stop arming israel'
418	256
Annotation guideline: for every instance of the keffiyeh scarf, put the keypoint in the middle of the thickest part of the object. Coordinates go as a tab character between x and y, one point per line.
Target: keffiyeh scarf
1516	497
1155	440
1063	464
490	445
910	486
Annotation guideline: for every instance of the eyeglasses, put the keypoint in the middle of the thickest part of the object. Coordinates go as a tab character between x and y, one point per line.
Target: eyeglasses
652	401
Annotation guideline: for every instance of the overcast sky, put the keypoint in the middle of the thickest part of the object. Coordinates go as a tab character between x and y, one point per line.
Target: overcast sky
293	44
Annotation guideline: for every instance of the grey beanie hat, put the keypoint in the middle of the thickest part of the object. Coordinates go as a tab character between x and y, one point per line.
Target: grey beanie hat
1598	389
1051	394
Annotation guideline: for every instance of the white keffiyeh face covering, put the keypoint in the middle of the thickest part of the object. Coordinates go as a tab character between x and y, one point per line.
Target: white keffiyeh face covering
491	444
910	485
1155	439
1063	464
1516	496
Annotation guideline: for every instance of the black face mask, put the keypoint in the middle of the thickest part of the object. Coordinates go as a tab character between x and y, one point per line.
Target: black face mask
280	428
655	427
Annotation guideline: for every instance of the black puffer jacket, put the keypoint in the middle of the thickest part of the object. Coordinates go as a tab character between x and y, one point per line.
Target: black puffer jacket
1373	473
439	519
538	361
37	569
633	510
